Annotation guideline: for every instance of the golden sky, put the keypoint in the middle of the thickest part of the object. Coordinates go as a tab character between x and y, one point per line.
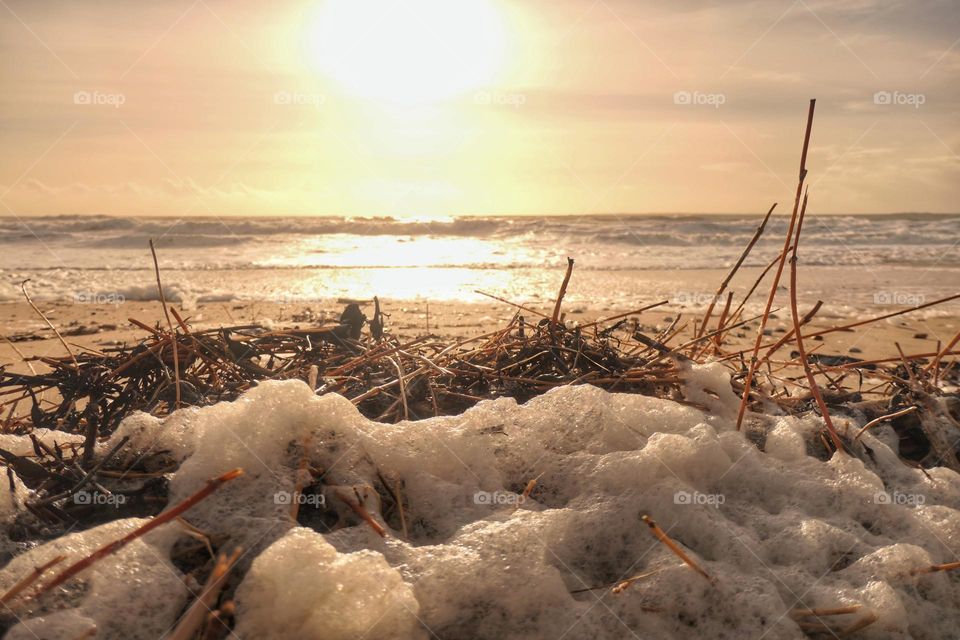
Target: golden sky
431	107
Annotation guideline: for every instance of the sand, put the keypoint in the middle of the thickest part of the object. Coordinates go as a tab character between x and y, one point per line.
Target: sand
101	326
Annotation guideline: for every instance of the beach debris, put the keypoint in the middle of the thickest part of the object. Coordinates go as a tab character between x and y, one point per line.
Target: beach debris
781	261
37	573
356	500
197	614
171	514
664	539
353	319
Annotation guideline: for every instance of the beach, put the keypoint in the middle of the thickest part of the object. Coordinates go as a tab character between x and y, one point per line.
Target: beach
101	326
459	277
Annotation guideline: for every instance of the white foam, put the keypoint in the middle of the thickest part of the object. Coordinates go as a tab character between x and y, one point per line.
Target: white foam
21	446
300	587
134	594
778	530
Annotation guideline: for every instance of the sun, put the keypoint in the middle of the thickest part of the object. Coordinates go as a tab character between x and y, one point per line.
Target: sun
407	51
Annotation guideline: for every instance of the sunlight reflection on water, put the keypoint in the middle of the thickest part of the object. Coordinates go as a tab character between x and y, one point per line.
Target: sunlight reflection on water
398	251
849	262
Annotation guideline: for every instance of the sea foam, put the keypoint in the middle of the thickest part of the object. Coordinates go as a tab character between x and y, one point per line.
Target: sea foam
778	530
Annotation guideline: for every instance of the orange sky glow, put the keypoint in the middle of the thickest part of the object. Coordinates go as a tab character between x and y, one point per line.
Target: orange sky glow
451	107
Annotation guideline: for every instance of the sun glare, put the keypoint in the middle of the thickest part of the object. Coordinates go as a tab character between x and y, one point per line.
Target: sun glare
407	52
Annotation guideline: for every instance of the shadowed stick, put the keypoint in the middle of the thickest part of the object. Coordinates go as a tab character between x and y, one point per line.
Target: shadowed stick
733	271
563	291
173	336
776	281
814	388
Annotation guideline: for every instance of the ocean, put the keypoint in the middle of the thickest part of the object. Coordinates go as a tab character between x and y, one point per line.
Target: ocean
621	260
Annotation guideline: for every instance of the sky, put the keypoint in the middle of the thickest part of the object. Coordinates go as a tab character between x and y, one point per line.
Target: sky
450	107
